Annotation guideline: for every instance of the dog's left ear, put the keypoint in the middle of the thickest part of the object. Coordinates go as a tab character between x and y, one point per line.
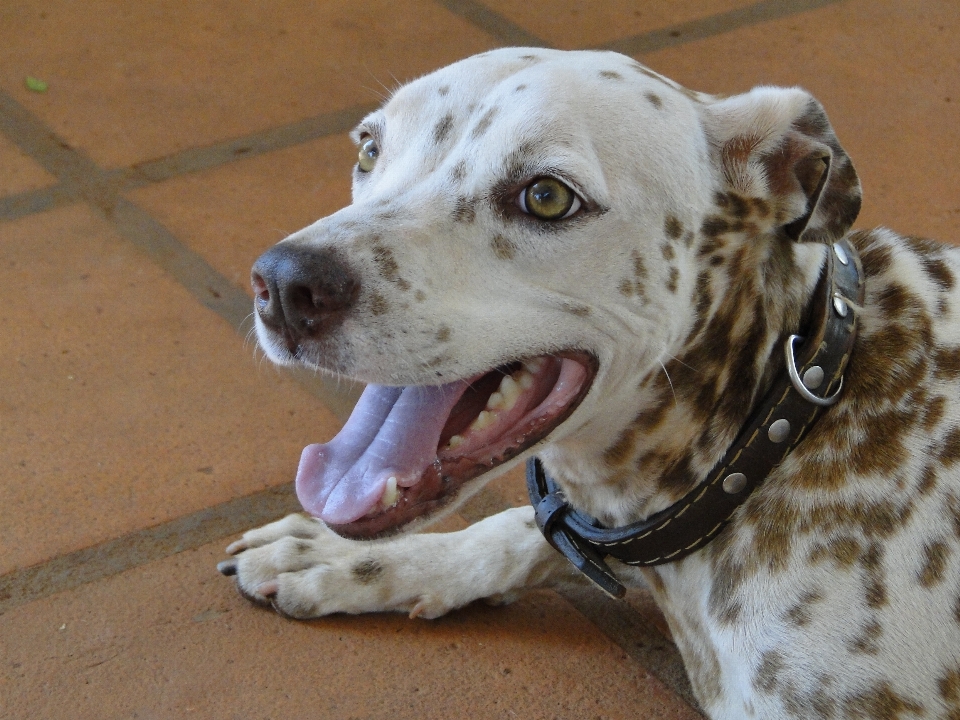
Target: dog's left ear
777	144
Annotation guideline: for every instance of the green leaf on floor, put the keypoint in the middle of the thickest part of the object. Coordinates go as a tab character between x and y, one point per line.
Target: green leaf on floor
35	85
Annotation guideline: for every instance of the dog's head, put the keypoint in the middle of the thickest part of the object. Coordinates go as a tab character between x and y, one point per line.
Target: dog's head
529	240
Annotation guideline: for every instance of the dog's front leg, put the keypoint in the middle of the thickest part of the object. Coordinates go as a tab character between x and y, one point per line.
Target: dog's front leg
305	570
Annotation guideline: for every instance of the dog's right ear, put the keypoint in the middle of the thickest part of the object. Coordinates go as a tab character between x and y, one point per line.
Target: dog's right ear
777	144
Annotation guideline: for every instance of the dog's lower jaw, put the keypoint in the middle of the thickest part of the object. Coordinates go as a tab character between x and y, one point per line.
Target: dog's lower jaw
406	452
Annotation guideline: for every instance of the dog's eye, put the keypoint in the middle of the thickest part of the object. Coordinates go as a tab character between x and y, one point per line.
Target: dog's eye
548	199
368	155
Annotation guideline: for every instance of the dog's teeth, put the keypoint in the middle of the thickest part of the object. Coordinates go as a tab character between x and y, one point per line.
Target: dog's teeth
484	420
511	390
506	395
525	380
455	441
497	402
390	494
535	365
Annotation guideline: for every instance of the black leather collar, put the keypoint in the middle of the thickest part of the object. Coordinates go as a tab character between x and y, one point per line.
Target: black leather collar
812	380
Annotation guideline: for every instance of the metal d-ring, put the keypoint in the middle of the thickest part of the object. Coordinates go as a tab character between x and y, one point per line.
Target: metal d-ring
798	383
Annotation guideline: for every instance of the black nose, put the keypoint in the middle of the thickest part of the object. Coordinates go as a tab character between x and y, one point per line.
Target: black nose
301	292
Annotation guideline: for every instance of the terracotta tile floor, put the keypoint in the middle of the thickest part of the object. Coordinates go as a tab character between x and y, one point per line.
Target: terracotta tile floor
139	431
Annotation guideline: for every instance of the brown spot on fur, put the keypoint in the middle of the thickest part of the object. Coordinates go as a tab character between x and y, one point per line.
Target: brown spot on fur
936	555
895	300
953	510
946	363
654	100
459	171
866	641
939	272
845	551
713	227
465	210
519	88
923	246
876	260
768	673
667	251
443	334
378	304
949	686
626	287
881	702
639	268
503	248
385	262
621	450
875	587
443	89
673	280
800	614
484	123
443	128
734	155
420	296
574	309
928	480
934	412
367	571
672	227
611	75
950	452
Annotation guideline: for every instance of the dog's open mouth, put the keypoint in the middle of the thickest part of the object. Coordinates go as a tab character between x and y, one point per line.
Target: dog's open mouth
405	450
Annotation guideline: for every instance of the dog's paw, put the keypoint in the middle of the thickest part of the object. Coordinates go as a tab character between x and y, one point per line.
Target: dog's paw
304	570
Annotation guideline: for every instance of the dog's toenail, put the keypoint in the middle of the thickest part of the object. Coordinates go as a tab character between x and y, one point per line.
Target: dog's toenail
236	547
269	588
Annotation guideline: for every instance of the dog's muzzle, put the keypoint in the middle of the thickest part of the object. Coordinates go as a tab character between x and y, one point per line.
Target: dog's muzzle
301	293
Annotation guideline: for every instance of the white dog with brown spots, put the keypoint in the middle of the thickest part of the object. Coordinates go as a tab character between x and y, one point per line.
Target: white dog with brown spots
568	255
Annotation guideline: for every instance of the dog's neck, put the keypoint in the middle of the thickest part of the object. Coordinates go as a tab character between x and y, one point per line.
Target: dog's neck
692	410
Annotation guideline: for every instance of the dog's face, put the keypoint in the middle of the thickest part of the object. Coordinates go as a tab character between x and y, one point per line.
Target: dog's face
453	276
524	239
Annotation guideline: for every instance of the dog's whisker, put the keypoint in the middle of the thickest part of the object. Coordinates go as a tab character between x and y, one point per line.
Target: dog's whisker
676	402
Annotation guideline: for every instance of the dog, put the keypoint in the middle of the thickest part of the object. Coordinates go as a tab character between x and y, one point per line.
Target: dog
567	255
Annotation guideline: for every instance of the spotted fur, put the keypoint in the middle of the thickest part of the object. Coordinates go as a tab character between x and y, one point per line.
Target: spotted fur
835	590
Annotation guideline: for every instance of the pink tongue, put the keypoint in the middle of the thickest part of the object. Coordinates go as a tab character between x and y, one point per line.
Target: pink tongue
392	432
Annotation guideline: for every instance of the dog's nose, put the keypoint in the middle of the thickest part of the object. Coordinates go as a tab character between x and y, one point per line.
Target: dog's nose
301	292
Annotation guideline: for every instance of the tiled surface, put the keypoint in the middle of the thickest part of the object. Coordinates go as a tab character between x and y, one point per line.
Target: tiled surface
575	24
20	173
172	640
126	404
231	214
134	81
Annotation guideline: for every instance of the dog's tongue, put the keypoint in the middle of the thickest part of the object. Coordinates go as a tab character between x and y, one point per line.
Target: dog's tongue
392	432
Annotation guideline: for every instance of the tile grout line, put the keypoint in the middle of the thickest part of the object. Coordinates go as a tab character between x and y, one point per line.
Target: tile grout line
140	547
719	24
504	31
